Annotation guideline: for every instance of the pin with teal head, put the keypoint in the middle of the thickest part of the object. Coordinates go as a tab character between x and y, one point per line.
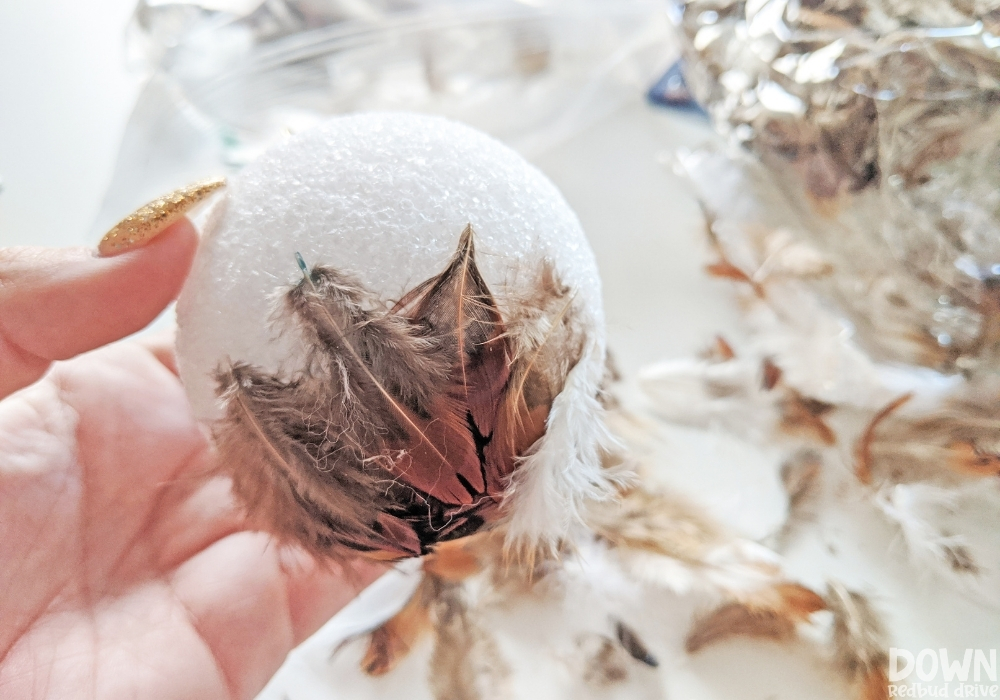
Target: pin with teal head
305	269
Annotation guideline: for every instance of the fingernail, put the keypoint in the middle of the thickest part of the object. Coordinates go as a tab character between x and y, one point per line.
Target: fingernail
149	221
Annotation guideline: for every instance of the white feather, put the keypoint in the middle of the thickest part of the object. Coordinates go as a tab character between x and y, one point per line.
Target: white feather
703	394
565	469
922	511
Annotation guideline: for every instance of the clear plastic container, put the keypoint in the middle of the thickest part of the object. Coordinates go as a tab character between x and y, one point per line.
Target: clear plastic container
225	85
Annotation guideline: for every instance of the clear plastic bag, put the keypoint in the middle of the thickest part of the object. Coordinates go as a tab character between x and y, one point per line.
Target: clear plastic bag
227	81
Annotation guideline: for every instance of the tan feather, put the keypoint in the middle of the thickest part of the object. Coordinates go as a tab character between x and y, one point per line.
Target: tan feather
392	642
863	447
771	612
645	521
860	642
802	415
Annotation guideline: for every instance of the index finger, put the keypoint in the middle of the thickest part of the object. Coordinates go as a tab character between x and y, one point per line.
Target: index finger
57	303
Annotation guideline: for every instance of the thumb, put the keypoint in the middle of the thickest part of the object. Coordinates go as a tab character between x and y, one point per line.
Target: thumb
57	303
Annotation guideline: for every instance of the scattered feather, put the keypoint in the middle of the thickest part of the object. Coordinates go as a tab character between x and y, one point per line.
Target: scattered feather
719	351
767	613
605	661
630	641
948	442
724	267
863	448
860	642
770	374
390	643
802	415
800	476
466	663
659	524
913	508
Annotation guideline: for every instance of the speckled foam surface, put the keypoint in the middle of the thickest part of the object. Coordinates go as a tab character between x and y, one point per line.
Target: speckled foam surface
384	196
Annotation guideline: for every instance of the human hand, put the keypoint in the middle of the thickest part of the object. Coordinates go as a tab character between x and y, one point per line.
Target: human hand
123	572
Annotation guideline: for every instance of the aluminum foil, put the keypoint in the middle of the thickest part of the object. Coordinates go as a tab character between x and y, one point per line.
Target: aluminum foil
879	120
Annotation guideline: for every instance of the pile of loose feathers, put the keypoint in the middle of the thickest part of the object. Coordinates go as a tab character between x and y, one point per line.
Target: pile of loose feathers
920	445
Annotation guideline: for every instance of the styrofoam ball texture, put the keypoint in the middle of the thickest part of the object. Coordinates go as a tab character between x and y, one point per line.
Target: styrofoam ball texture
385	197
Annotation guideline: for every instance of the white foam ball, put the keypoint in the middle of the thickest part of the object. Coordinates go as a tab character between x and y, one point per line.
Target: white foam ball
383	196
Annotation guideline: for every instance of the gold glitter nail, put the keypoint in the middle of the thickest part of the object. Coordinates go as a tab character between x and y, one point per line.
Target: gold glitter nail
146	223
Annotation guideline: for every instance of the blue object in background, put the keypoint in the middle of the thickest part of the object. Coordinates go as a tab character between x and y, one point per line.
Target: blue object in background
671	90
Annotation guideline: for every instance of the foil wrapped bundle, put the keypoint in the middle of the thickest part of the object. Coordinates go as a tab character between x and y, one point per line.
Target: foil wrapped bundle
855	205
879	123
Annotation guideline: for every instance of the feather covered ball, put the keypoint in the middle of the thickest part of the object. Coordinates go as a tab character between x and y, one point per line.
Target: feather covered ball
394	330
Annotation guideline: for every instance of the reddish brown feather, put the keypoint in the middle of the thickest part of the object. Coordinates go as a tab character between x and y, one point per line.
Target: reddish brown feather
875	685
769	613
803	415
450	563
863	447
770	374
458	304
413	415
392	641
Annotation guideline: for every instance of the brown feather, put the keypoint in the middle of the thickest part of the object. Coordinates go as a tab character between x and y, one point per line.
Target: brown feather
770	374
649	522
803	415
969	458
860	642
407	421
605	662
391	642
768	613
949	444
458	305
379	355
726	270
287	471
719	351
738	619
438	607
467	663
863	447
453	561
801	475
